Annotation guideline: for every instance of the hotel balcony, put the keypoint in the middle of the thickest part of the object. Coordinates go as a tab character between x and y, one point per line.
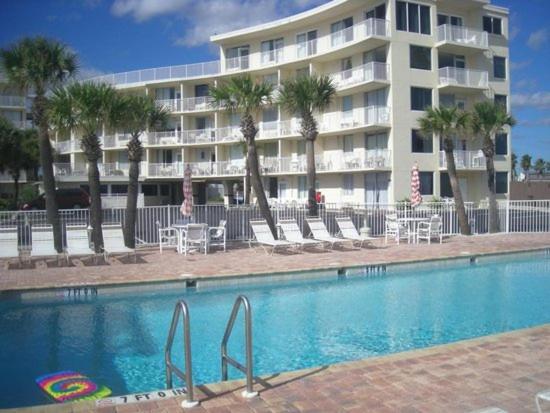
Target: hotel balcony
464	160
66	147
8	101
461	40
458	80
193	104
375	74
113	171
376	29
371	117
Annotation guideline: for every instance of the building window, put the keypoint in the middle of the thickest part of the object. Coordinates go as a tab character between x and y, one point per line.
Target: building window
348	184
420	57
306	44
348	144
449	101
164	190
420	143
501	182
237	57
413	17
149	189
272	51
501	144
119	189
421	98
501	100
499	67
492	25
339	34
378	12
426	183
452	20
302	187
445	186
347	104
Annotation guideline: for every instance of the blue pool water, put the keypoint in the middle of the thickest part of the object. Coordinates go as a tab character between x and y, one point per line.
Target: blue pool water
118	340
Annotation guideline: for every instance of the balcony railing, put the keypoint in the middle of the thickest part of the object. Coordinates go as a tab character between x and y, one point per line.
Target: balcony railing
67	146
455	76
462	35
166	138
464	159
194	104
174	169
358	117
114	169
161	73
118	140
369	72
65	170
12	101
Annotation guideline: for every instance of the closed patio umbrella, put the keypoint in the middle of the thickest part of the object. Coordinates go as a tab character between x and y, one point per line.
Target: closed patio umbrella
187	205
416	198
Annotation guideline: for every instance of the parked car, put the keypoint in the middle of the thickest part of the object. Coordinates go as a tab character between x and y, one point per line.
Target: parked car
71	198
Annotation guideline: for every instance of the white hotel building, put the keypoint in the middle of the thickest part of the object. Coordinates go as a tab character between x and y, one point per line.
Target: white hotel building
389	59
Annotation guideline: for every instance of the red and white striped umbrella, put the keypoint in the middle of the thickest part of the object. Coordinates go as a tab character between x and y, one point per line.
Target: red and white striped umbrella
187	205
416	198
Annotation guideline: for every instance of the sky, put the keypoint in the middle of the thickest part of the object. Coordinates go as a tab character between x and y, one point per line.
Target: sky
121	35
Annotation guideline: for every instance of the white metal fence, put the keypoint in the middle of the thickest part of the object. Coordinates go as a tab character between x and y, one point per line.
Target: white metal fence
514	216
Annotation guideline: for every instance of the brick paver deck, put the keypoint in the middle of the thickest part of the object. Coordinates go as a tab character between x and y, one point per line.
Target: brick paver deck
153	266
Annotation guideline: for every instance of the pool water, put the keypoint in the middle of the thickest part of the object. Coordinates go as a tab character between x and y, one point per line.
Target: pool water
118	340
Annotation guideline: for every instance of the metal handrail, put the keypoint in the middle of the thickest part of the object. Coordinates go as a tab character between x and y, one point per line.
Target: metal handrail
187	377
248	368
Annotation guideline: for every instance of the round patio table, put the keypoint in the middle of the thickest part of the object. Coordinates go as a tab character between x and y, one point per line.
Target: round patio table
412	224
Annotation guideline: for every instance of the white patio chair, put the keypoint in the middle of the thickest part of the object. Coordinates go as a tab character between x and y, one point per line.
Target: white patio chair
429	230
8	244
348	231
292	233
194	235
168	237
319	232
77	242
542	396
217	235
396	230
113	241
265	238
42	242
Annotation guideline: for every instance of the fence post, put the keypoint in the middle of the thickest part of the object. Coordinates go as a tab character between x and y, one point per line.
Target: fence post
507	216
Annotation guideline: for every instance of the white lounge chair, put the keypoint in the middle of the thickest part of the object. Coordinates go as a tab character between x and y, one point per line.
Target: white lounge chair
429	230
194	235
292	233
265	238
77	242
320	233
42	242
348	231
217	235
113	241
168	237
395	230
8	244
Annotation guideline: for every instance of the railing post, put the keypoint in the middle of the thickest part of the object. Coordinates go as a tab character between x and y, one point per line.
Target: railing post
507	216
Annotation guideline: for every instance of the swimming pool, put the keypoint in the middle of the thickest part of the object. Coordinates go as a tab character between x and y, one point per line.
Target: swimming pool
118	339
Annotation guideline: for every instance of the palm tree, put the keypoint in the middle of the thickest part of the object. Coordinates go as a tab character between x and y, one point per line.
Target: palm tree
18	151
514	165
242	94
447	122
526	165
86	108
135	114
487	120
304	96
40	64
539	166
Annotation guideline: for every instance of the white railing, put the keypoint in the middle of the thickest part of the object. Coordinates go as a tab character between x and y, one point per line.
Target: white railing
305	49
455	76
68	146
189	137
119	201
201	103
464	159
163	138
113	169
462	35
118	140
358	117
368	72
367	159
156	170
237	63
161	73
12	101
271	57
173	105
514	217
65	170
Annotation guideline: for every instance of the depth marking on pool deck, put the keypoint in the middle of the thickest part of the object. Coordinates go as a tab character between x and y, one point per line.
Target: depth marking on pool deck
140	397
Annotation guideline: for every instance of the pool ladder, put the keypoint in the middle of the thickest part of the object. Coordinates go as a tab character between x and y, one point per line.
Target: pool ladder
187	376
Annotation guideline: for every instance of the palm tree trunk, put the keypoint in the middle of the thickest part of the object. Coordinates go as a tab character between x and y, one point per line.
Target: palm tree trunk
16	190
249	131
46	162
488	151
247	181
457	195
131	205
92	150
135	154
309	132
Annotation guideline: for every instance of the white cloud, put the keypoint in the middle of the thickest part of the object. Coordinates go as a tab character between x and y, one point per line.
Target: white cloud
520	65
539	100
537	39
207	17
525	84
